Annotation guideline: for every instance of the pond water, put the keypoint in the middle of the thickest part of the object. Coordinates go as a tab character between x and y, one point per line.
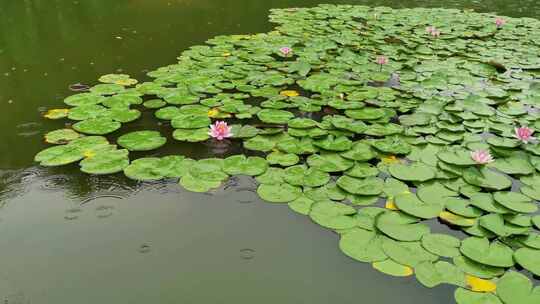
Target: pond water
72	238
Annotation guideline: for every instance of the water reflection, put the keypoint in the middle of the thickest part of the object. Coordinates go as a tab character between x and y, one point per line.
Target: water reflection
47	45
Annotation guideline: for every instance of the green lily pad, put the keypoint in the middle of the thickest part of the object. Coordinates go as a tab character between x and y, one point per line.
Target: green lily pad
142	169
407	253
360	152
433	274
362	245
392	145
401	228
482	251
61	136
441	244
275	116
279	193
83	99
333	215
194	184
329	162
191	135
173	166
300	175
97	126
515	288
464	296
392	268
477	269
515	201
414	172
282	159
486	178
59	155
361	186
105	162
302	205
410	204
241	165
209	169
142	140
528	258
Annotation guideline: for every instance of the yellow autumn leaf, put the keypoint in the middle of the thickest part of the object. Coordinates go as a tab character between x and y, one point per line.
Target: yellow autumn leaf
391	159
289	93
126	82
89	154
391	205
480	285
56	113
213	113
456	219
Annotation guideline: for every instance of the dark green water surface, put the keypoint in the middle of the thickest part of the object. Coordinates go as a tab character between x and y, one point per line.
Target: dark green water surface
70	238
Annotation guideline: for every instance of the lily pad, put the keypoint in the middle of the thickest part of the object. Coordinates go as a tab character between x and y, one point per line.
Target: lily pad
97	126
142	140
241	165
482	251
279	193
105	162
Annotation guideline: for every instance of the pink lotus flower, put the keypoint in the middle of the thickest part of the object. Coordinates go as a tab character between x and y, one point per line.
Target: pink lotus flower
220	130
285	51
524	134
430	29
499	22
382	60
482	157
433	31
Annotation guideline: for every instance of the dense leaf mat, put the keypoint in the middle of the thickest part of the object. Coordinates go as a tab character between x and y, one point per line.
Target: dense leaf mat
363	119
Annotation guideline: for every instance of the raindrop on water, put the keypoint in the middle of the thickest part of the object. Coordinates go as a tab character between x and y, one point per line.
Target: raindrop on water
247	254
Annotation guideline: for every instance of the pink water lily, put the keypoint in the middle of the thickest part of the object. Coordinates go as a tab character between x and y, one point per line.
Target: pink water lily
482	157
220	130
524	134
382	60
286	51
433	31
499	22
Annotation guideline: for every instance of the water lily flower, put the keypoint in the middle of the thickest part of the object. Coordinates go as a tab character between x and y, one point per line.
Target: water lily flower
220	130
482	157
382	60
499	22
524	134
433	31
285	51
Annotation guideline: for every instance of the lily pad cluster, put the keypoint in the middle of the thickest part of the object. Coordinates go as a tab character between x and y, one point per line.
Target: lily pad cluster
366	124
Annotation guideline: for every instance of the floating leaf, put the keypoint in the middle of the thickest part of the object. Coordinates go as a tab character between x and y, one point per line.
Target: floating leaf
241	165
364	186
61	136
142	169
105	162
142	140
362	245
392	268
528	259
97	126
333	215
279	193
482	251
